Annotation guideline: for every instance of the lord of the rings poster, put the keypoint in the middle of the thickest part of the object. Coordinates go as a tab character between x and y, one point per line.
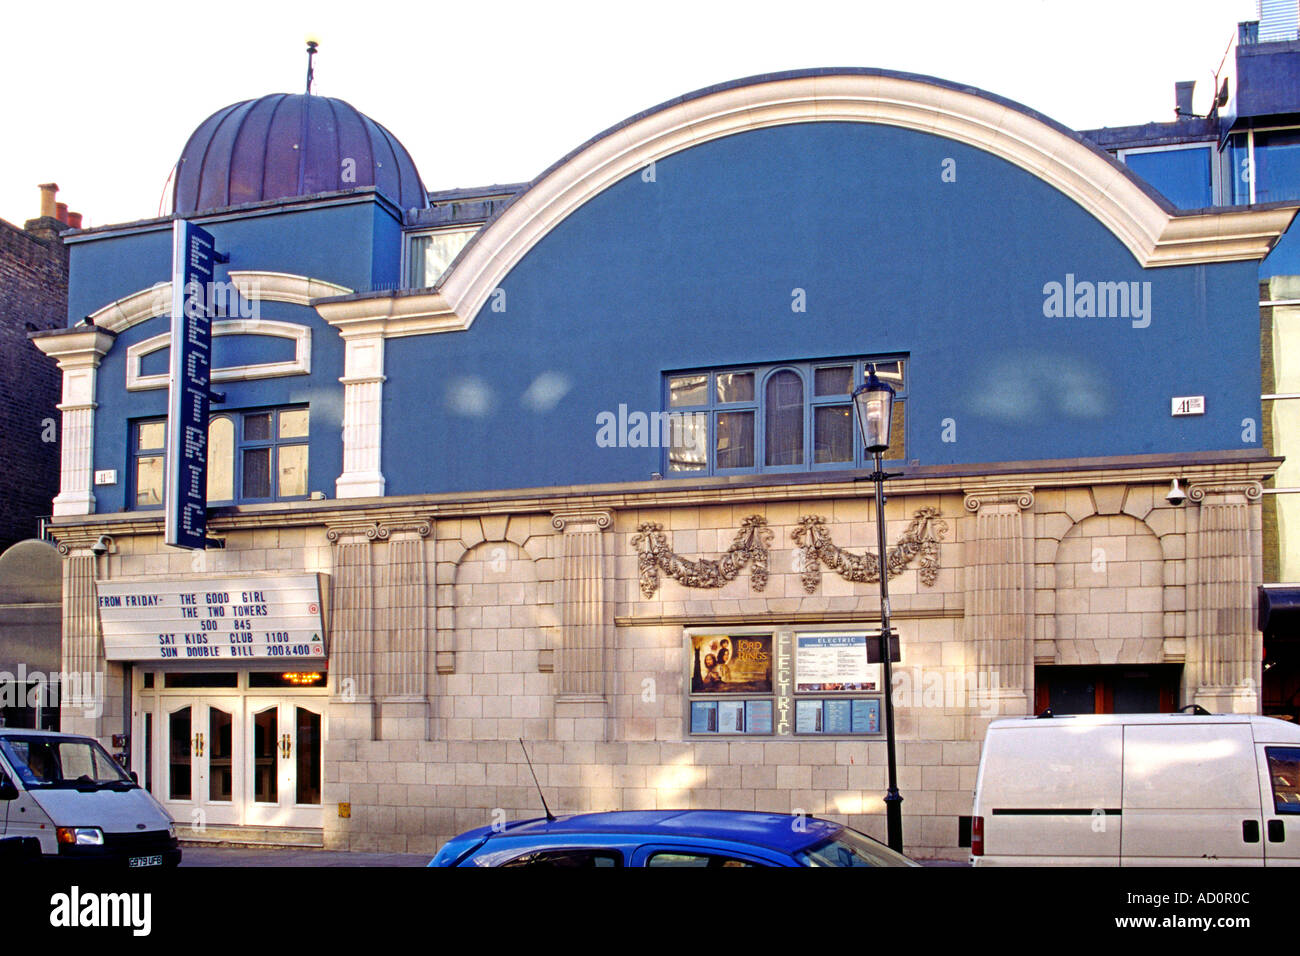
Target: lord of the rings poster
732	664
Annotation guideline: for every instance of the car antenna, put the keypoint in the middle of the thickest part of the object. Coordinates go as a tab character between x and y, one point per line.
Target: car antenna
550	817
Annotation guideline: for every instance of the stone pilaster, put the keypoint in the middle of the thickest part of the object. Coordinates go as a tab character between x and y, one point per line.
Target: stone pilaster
352	650
1223	667
78	351
999	606
82	694
586	621
404	615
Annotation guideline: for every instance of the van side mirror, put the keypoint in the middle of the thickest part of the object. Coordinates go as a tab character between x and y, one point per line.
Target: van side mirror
7	789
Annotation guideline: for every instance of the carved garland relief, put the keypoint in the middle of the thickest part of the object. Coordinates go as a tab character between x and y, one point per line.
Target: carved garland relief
752	543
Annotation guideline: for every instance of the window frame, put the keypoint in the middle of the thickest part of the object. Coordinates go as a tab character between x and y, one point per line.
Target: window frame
763	373
408	252
239	446
692	697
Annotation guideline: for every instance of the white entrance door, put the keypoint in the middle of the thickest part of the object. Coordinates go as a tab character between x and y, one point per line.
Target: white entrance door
284	742
201	760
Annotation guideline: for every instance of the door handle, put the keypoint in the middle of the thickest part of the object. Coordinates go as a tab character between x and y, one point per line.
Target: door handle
286	746
1250	831
201	742
197	745
1276	831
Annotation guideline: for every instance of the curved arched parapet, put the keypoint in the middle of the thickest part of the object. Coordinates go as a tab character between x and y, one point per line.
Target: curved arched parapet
1154	232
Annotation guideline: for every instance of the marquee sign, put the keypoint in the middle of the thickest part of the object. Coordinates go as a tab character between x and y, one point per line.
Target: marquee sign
225	619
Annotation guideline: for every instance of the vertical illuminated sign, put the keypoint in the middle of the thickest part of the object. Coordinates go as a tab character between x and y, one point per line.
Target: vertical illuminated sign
189	391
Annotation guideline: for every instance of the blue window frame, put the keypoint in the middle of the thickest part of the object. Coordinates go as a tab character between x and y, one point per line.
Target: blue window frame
253	455
787	417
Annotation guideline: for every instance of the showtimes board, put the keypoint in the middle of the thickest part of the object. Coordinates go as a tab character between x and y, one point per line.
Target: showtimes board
268	618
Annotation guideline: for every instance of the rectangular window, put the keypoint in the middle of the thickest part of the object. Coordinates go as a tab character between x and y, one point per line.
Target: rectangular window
257	455
783	683
429	254
790	417
1184	175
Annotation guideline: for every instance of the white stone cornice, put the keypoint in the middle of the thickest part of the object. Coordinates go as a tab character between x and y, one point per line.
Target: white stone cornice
82	348
254	286
1084	174
283	287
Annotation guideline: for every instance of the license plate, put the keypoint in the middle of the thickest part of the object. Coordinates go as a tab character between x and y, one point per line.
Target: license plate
145	861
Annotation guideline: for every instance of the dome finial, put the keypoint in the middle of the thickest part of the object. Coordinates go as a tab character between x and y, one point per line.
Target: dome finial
312	44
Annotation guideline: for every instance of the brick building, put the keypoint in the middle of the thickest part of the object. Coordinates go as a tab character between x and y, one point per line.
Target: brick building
33	297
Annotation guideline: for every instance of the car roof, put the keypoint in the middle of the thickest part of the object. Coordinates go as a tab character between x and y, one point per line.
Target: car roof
29	732
777	831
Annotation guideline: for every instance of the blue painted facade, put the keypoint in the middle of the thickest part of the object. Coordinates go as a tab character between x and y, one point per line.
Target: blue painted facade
796	243
697	269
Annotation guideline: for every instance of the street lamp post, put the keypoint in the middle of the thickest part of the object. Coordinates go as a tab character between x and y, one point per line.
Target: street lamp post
874	402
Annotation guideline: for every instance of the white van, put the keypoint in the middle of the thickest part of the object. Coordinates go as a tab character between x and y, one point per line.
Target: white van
68	795
1138	790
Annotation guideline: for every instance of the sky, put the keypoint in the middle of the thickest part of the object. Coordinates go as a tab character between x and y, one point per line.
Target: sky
101	98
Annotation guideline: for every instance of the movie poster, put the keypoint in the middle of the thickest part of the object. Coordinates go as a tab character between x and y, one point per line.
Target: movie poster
732	664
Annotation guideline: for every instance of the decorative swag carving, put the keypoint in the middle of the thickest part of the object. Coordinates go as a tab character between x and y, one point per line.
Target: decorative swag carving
750	544
754	539
816	548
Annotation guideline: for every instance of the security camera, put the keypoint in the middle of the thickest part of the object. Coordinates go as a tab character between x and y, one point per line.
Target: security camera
1176	496
102	546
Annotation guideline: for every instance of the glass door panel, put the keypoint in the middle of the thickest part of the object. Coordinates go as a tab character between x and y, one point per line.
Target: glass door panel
286	744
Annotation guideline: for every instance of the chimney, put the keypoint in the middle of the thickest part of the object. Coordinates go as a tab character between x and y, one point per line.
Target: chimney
48	192
74	220
61	212
1183	98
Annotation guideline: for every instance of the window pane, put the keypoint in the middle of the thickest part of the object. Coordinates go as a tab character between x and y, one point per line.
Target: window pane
688	390
293	423
897	450
440	249
833	433
735	440
1277	166
1284	771
293	470
891	372
308	751
148	481
257	427
221	459
266	740
833	381
689	441
736	386
257	473
151	435
784	430
415	268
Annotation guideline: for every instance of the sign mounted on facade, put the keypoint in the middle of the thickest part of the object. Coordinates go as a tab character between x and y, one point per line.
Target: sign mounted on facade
226	619
194	259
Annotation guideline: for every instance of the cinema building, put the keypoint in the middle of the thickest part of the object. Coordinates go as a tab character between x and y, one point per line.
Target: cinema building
574	461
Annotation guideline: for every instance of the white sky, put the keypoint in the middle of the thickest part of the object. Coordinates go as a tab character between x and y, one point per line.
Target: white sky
101	97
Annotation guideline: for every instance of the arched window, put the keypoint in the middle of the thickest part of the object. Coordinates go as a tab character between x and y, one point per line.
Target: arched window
783	424
221	459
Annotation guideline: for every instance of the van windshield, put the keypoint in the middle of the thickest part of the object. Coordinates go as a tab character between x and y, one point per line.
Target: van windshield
72	763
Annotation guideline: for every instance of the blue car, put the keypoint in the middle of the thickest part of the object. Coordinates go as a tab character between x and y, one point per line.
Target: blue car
690	838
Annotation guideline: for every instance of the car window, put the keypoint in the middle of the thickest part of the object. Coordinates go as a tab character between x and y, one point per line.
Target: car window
568	859
851	848
1284	772
708	860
